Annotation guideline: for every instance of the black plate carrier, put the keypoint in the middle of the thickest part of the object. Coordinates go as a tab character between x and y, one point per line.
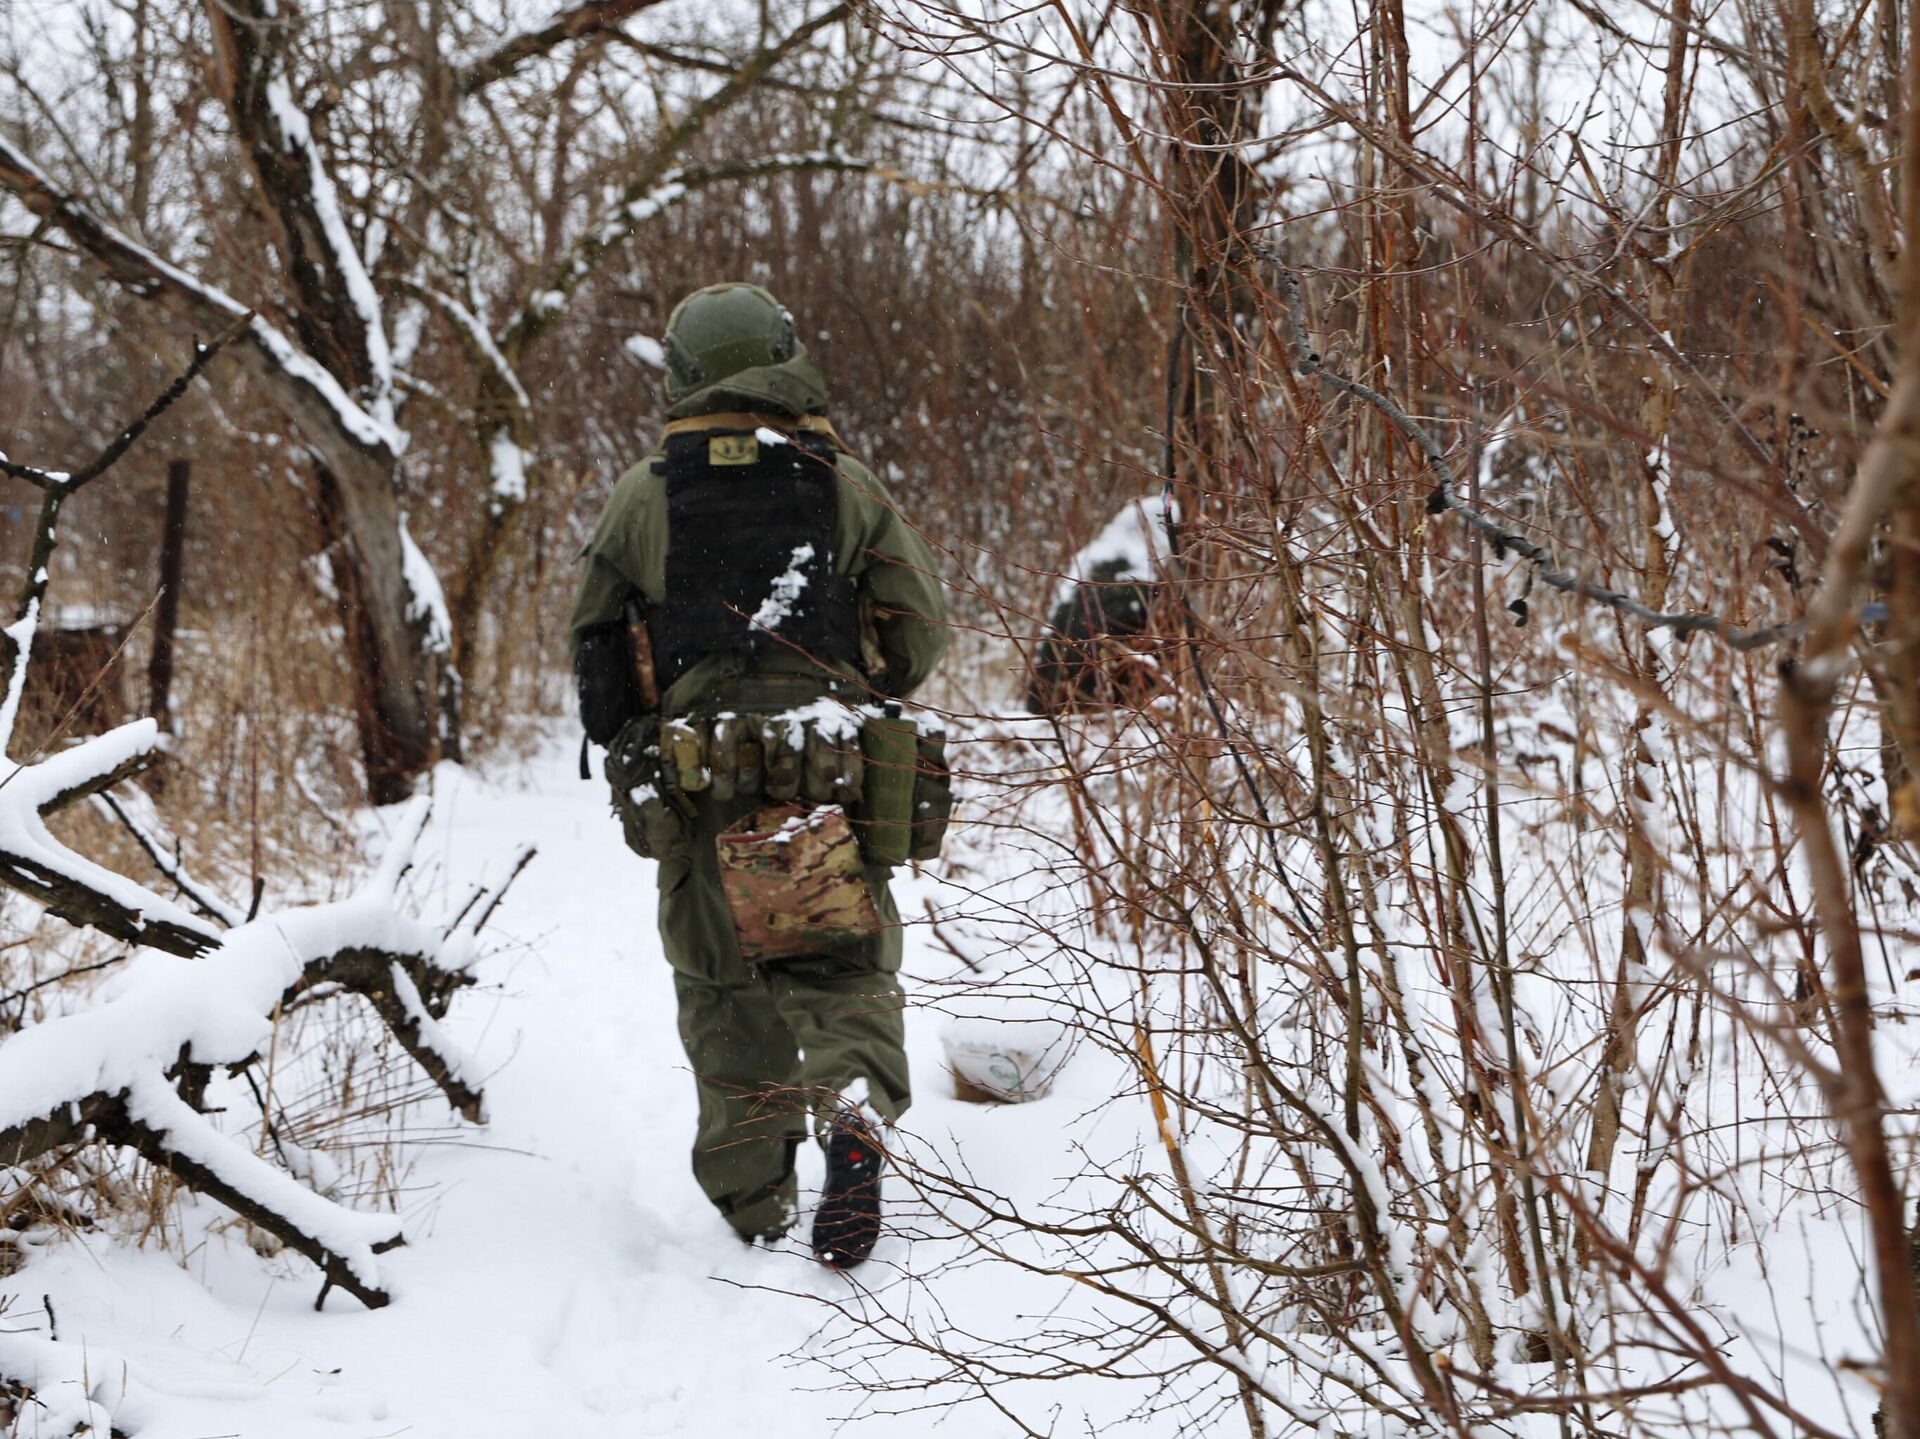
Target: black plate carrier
750	560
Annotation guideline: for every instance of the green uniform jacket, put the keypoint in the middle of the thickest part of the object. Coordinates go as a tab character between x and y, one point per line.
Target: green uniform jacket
873	543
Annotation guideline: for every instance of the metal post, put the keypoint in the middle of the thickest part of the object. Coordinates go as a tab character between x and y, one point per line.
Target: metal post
173	548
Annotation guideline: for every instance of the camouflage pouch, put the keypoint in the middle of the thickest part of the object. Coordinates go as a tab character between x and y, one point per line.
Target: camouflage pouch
932	799
653	826
794	882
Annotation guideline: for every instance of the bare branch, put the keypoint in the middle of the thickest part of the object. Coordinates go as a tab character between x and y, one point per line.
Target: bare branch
592	20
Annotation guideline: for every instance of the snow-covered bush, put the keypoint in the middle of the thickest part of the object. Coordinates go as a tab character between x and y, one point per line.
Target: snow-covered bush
197	1007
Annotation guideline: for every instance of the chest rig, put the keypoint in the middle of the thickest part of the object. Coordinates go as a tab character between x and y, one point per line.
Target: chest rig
750	561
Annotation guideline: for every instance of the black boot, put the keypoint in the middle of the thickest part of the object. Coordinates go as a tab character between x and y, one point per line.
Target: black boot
847	1224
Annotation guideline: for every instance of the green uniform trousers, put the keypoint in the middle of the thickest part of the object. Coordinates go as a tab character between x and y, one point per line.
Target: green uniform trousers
770	1042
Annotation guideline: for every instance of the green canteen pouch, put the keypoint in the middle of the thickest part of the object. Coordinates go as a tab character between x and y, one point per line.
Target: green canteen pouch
663	830
794	882
890	748
932	799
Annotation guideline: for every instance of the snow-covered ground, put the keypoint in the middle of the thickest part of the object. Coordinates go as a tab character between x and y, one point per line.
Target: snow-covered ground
563	1275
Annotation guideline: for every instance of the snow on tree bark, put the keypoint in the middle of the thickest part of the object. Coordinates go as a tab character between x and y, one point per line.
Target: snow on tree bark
338	317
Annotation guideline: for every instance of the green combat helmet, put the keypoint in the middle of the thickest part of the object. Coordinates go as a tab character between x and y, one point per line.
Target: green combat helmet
732	347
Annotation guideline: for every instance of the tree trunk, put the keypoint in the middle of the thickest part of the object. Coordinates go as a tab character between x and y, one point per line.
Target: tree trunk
336	314
392	673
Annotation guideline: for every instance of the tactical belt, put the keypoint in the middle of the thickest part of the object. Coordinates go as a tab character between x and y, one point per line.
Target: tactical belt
891	779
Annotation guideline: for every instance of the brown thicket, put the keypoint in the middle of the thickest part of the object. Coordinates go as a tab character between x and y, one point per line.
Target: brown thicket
1541	573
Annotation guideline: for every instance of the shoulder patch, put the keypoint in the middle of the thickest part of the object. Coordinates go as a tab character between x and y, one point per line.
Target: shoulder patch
733	450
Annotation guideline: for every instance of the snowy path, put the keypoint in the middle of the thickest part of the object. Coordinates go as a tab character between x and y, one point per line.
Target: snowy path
565	1276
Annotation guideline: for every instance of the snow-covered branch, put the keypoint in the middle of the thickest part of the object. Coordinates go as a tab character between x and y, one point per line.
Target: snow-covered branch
473	332
654	186
505	421
322	197
68	884
130	1071
134	1070
134	811
304	387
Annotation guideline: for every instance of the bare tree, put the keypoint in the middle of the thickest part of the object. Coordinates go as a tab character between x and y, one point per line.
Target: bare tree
367	210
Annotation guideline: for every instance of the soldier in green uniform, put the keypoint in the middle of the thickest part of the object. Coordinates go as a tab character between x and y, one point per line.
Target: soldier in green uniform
751	590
